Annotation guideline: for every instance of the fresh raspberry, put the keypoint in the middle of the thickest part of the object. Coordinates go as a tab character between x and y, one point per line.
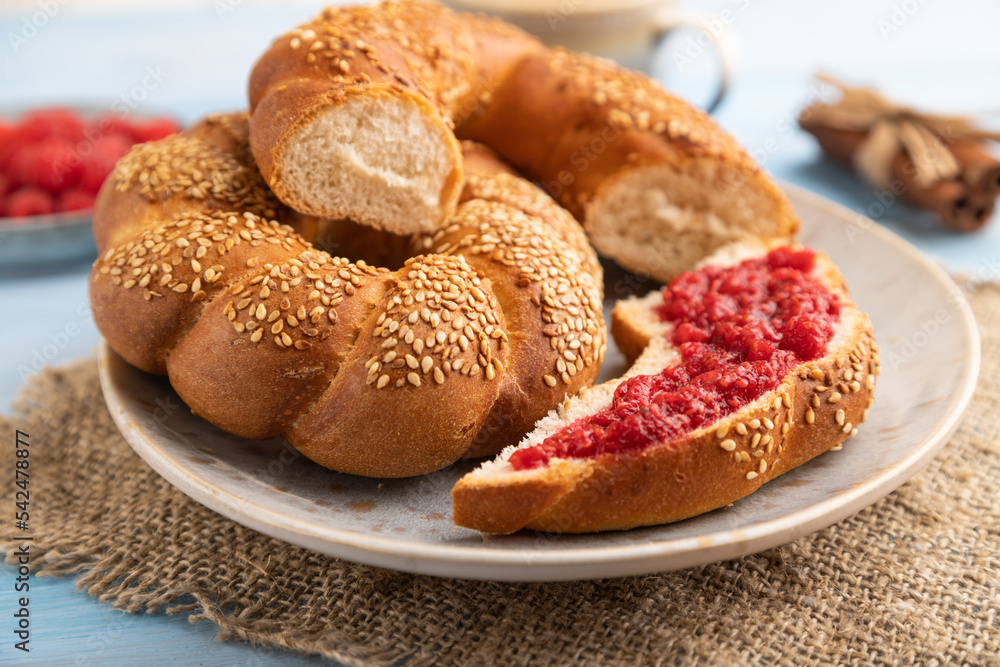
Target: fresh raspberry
101	161
153	129
28	201
5	185
10	144
113	124
53	122
51	164
6	133
75	199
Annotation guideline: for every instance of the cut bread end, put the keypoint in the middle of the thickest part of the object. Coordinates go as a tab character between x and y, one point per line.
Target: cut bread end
659	220
706	469
385	160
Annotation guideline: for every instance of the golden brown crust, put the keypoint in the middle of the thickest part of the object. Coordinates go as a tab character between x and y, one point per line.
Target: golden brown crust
506	508
146	292
580	126
208	168
586	118
431	392
365	370
442	63
552	307
819	405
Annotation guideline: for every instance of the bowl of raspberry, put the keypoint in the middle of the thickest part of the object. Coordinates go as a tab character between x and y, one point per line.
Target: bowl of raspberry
53	161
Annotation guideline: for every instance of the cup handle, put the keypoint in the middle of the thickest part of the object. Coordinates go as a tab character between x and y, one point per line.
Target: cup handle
725	43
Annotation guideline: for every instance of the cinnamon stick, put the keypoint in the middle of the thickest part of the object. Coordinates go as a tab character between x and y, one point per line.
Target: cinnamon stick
960	205
980	169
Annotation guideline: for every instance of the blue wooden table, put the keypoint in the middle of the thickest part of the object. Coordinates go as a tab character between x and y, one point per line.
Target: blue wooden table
192	61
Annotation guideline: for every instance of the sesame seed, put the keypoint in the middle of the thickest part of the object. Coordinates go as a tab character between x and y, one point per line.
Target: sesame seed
751	475
810	416
728	445
741	428
723	431
763	467
382	381
413	379
839	417
834	397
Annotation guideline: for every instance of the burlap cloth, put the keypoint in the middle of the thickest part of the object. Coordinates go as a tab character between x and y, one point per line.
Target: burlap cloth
914	579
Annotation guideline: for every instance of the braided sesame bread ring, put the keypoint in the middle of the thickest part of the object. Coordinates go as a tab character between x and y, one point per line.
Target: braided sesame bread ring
655	182
363	369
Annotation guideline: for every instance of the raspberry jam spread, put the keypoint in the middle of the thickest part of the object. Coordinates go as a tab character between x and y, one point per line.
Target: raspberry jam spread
739	331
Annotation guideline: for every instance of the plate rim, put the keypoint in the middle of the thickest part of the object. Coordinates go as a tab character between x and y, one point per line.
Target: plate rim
35	223
525	565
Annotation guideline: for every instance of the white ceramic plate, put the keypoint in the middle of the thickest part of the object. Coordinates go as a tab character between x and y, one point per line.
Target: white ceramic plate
930	358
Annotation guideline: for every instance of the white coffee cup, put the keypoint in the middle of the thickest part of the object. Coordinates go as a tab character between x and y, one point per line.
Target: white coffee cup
627	31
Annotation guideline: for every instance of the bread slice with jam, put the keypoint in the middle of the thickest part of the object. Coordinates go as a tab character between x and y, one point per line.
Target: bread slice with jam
746	367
